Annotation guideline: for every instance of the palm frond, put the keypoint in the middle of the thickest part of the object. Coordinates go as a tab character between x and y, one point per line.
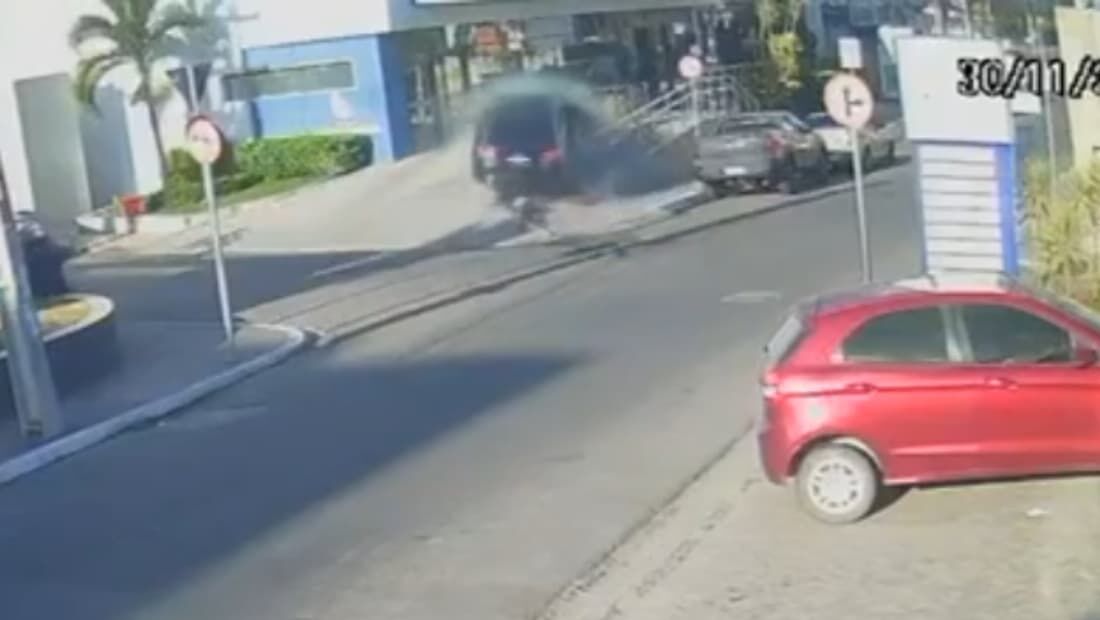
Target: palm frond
142	11
172	19
90	72
91	27
118	8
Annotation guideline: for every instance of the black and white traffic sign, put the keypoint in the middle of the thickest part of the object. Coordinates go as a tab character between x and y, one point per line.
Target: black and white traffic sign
204	140
849	101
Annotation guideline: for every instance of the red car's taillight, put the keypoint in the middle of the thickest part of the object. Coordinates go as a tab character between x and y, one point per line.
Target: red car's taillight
550	156
769	385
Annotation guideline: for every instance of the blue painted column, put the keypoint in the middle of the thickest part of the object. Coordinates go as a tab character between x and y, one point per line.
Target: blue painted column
968	206
375	101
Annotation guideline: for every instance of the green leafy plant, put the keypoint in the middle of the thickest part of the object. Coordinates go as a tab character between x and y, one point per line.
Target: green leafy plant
304	156
1062	223
786	74
134	33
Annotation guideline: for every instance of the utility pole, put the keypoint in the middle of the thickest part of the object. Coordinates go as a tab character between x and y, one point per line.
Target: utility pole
1048	100
32	383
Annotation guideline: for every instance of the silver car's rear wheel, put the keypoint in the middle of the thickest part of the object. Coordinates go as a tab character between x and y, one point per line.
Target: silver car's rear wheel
837	484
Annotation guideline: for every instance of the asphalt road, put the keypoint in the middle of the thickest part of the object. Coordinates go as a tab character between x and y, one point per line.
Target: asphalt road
464	465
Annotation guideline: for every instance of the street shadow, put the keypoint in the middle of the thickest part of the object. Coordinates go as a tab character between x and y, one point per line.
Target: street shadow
137	523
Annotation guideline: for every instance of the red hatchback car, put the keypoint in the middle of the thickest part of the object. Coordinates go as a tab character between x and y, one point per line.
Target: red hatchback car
928	380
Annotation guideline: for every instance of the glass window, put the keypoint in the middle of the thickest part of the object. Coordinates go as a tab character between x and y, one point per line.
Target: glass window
1002	334
821	120
785	340
795	123
289	80
899	337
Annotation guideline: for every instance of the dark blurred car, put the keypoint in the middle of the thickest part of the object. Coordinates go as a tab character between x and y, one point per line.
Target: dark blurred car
772	150
520	145
45	257
934	379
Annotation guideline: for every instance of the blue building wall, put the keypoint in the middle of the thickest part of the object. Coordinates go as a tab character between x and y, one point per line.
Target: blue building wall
378	98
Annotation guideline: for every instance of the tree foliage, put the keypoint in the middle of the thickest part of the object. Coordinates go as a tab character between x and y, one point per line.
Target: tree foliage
1062	225
134	33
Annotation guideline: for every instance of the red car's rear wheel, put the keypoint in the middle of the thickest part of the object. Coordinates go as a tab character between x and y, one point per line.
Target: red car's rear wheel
837	484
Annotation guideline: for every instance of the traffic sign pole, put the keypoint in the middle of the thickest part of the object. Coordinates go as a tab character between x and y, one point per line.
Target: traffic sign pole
849	102
696	114
861	207
691	68
215	225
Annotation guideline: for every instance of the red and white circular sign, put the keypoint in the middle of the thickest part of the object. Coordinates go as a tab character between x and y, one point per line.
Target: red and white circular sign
691	68
204	140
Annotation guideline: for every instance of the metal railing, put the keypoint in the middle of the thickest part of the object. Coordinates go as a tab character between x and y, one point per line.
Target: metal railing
720	92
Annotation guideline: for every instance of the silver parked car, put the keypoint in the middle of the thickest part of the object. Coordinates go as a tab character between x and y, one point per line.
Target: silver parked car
773	150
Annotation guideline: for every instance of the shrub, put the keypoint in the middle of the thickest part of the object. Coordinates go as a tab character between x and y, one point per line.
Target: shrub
183	166
1063	224
304	156
180	192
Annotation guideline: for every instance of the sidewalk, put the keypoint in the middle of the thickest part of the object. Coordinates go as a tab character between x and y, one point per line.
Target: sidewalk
163	366
428	200
389	206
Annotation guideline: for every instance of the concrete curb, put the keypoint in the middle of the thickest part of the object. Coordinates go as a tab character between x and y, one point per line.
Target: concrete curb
86	437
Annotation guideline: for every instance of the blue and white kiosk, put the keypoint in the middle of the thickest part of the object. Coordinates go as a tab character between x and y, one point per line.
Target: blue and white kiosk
964	149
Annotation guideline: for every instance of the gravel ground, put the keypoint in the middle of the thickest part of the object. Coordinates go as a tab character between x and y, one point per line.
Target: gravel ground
734	546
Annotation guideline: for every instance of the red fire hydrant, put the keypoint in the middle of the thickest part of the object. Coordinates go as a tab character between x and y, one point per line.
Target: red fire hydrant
133	205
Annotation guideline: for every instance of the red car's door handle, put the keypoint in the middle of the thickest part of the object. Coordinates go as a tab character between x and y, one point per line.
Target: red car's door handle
1000	382
859	388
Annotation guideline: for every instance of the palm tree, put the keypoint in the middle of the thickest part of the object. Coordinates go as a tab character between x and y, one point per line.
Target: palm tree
137	33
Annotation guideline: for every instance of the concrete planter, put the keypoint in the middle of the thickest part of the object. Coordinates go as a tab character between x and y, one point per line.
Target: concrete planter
150	223
79	354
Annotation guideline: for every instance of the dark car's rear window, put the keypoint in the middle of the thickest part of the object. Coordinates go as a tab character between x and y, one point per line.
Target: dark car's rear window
523	124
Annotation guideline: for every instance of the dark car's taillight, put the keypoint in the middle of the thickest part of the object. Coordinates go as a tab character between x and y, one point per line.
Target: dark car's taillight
487	153
551	155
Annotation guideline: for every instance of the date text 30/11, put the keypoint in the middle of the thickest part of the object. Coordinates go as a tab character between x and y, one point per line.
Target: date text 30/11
993	77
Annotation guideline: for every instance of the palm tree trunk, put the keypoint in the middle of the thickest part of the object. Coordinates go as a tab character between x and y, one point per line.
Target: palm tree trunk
158	139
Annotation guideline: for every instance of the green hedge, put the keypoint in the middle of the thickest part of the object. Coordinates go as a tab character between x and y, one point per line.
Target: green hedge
263	160
304	156
181	192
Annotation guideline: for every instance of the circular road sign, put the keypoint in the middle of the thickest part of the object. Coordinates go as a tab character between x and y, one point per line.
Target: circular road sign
204	140
691	68
849	101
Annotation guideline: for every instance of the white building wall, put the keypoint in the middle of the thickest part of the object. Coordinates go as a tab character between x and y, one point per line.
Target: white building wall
39	39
